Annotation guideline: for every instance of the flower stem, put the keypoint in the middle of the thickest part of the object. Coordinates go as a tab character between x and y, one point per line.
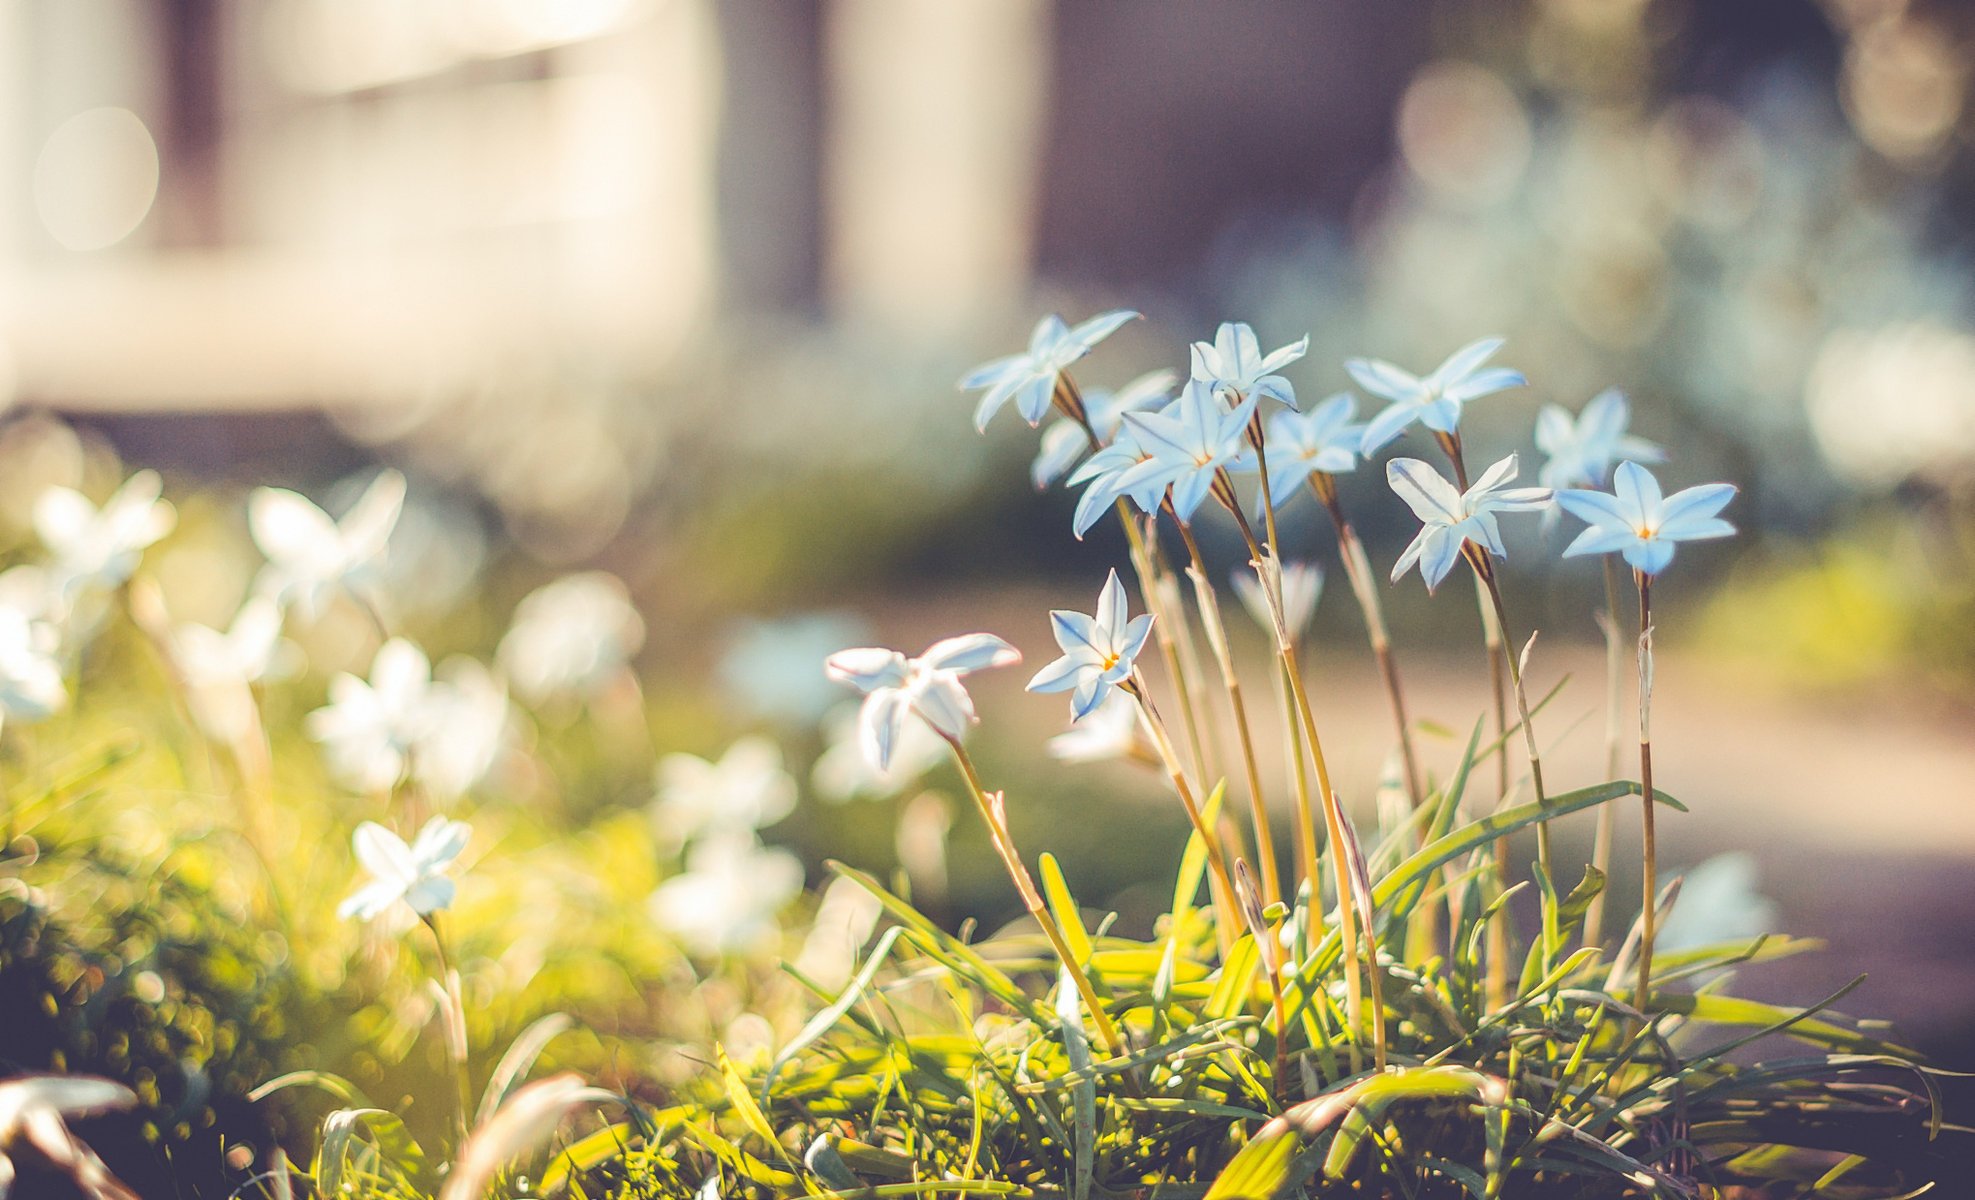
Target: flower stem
1004	846
1648	917
1148	562
1484	572
1601	845
1210	618
455	1017
1156	726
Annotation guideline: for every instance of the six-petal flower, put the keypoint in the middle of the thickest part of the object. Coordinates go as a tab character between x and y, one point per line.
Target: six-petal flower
1322	441
895	686
1029	378
1434	400
1099	651
1450	519
1580	452
1064	442
309	555
1189	444
412	873
1234	363
1635	520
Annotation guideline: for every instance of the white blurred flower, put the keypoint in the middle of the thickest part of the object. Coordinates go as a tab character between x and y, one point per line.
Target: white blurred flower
220	669
1302	585
1719	901
845	772
1108	733
1580	451
895	686
369	729
772	668
31	686
571	636
742	792
310	556
729	897
99	548
845	919
466	724
412	873
31	1111
1450	519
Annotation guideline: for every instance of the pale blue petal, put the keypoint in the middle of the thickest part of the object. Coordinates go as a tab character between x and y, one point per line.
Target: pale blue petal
1387	425
1062	444
1442	416
1462	362
1111	612
369	901
970	652
1077	633
1160	433
878	725
1601	539
1059	675
1443	550
1133	642
1189	490
1638	493
1597	508
1282	357
1102	326
1089	694
1554	431
1696	529
1382	379
1032	401
1694	502
1484	383
1276	388
989	373
943	701
866	668
430	895
1411	554
1432	499
1650	557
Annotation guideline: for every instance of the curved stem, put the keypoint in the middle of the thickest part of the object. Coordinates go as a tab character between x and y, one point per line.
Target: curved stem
1649	919
1156	726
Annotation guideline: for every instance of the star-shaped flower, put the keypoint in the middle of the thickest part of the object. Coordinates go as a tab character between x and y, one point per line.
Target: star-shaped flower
1234	363
1302	586
309	555
1109	733
895	686
99	548
370	728
1434	401
571	636
1030	377
727	899
1635	520
744	790
1099	651
412	873
220	669
1190	443
1580	452
1064	442
1322	441
1110	474
1451	519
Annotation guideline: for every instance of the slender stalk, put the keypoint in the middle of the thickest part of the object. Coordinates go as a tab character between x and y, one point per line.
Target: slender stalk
455	1027
1269	951
1004	846
1347	918
1210	618
1484	571
1601	845
1306	826
1156	726
1648	917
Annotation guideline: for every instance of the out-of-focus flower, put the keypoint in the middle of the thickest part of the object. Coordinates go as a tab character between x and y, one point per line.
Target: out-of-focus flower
1719	902
1099	651
745	790
845	919
310	556
1322	441
31	1111
728	898
1636	521
844	772
1302	586
31	687
1434	401
1450	519
1234	362
771	668
369	729
1580	453
415	873
571	636
99	548
1190	443
466	723
1109	733
1030	377
220	669
1064	442
895	686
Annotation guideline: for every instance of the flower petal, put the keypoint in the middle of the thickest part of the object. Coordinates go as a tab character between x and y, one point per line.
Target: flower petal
1432	499
866	667
970	652
1382	379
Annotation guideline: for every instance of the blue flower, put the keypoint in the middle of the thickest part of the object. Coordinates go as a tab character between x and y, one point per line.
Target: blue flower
1637	521
1434	401
1321	441
1064	441
1451	519
1109	473
1190	443
1030	377
895	686
1581	452
1234	362
1099	651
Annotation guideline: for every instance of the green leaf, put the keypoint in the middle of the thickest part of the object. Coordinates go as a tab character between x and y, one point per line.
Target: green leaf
1061	903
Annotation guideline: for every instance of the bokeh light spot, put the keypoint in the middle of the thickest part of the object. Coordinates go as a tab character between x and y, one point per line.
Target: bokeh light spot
96	178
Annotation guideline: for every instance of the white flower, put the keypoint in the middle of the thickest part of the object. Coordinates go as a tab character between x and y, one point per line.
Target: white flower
1719	901
1064	442
465	729
1302	585
744	791
1030	377
220	669
1099	651
1190	444
1451	519
845	919
773	668
1639	523
31	687
369	730
896	686
309	555
1322	441
31	1111
730	896
844	772
99	548
1234	362
1436	400
571	636
1580	452
1108	733
414	874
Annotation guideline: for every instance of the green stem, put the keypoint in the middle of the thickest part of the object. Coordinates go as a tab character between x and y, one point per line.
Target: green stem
455	1028
1648	917
1601	845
